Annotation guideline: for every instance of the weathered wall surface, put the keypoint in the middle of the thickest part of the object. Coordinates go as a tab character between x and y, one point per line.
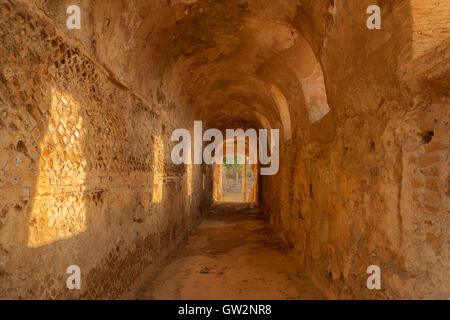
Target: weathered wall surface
85	171
86	116
430	24
368	184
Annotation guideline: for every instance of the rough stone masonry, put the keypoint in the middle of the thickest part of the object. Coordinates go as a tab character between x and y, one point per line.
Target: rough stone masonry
86	117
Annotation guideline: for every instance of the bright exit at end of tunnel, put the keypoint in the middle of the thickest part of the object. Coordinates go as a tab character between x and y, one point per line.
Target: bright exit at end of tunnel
236	140
225	158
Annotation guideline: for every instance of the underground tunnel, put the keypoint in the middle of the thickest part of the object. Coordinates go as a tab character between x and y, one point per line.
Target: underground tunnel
92	91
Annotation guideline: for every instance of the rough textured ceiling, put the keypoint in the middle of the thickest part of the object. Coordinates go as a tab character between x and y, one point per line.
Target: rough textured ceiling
218	58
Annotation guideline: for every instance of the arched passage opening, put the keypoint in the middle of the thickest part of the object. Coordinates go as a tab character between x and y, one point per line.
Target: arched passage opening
236	178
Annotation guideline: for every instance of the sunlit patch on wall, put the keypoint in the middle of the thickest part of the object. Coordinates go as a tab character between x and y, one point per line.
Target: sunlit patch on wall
158	165
58	209
315	95
189	179
283	109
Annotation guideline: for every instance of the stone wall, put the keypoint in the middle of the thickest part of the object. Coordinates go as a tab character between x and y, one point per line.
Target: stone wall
85	172
431	24
368	184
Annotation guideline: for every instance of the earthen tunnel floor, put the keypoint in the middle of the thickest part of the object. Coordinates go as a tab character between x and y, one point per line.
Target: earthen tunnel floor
232	254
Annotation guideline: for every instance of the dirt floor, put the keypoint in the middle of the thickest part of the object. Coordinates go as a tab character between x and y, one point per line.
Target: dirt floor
232	197
232	254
